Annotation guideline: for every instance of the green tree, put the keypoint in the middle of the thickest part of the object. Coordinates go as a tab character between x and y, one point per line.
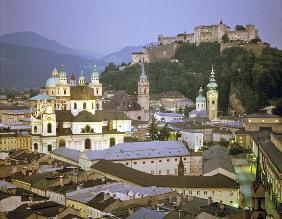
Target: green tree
179	110
225	38
239	27
153	131
164	133
278	109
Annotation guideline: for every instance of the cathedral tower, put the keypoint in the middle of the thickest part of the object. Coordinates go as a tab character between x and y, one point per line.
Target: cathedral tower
95	83
81	79
143	90
212	97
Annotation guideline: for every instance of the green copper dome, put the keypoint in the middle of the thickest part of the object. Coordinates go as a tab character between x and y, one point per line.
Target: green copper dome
212	83
201	97
52	82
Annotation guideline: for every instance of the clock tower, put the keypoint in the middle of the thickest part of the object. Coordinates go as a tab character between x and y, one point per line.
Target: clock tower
212	97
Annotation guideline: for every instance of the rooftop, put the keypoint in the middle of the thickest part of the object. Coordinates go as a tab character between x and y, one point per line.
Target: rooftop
145	179
137	150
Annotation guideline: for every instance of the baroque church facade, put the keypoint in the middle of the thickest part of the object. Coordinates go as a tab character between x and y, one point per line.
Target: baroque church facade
67	114
207	107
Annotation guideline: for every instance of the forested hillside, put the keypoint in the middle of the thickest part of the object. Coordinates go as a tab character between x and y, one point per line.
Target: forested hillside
255	81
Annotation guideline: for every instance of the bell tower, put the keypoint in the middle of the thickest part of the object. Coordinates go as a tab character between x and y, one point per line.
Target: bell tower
95	83
143	90
212	97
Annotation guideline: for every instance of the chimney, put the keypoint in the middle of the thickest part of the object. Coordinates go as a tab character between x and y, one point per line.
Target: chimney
221	206
75	178
61	181
178	200
209	201
24	171
130	211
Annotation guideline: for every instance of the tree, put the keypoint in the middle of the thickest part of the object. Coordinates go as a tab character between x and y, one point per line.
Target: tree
225	38
236	149
164	133
239	27
278	109
153	131
223	142
179	110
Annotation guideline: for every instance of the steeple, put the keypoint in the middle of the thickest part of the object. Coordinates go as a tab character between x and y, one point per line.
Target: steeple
212	82
143	76
81	79
55	72
95	76
200	101
62	72
72	80
180	167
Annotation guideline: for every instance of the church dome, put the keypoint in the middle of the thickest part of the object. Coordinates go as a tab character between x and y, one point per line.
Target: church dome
52	82
200	98
212	84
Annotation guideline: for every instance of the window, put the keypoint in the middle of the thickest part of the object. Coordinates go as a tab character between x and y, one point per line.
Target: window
190	192
65	91
62	143
35	146
97	91
84	105
75	105
175	159
112	142
213	102
160	161
145	90
35	129
49	148
205	192
135	163
87	144
97	106
126	163
213	192
152	161
87	128
184	158
139	117
144	162
49	128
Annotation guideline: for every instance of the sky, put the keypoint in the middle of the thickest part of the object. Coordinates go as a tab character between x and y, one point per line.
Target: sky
104	26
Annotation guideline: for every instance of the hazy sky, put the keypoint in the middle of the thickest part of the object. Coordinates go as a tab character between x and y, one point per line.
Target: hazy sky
104	26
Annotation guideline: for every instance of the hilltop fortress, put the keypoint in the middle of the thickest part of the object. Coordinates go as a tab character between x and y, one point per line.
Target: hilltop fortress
167	45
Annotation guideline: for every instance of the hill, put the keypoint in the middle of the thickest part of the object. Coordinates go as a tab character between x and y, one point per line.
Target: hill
22	66
246	82
31	39
122	55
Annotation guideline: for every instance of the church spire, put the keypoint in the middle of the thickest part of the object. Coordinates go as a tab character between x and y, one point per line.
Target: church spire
81	79
212	82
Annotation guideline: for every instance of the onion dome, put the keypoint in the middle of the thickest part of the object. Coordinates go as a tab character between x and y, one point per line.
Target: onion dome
201	97
212	83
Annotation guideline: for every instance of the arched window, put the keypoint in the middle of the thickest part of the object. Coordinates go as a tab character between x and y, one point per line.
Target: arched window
35	129
75	105
87	128
84	105
139	117
49	128
87	144
92	105
49	148
62	143
35	146
97	91
112	142
97	106
213	102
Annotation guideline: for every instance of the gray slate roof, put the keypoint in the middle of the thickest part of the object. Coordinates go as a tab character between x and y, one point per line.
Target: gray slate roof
217	157
68	153
137	150
146	213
